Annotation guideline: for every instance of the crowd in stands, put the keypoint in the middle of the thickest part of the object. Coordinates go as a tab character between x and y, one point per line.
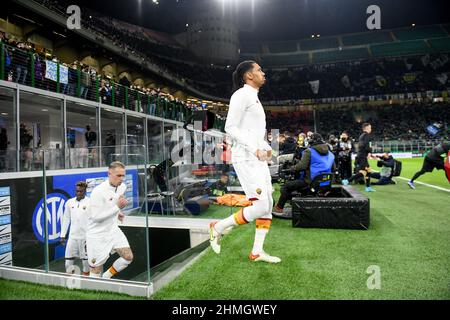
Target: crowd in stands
389	122
356	78
85	82
369	77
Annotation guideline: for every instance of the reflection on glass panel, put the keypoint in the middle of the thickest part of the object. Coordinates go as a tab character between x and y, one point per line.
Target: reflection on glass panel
40	127
81	136
155	138
23	216
112	135
8	143
201	185
102	243
135	139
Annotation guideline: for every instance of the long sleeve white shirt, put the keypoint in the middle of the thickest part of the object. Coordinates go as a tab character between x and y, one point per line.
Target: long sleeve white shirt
246	124
76	215
104	210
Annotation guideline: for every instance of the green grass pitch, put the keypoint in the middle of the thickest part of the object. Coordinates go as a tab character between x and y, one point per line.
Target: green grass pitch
408	240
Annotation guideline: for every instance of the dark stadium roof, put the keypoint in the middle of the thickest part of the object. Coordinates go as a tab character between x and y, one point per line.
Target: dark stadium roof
276	20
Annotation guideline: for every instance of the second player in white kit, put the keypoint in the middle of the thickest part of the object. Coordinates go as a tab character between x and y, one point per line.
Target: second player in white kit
76	215
104	236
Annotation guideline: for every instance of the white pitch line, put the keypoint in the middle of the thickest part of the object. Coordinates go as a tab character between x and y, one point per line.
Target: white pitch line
426	184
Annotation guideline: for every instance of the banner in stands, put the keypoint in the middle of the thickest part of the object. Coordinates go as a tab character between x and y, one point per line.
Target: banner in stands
442	78
51	72
315	86
409	77
380	97
381	81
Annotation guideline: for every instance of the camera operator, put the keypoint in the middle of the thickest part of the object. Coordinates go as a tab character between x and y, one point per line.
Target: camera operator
345	156
288	145
315	160
387	163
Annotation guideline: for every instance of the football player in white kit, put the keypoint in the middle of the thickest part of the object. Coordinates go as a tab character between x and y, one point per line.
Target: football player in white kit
76	214
246	125
103	233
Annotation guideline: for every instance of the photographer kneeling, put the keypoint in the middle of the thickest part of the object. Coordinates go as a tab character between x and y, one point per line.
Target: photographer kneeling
315	160
387	164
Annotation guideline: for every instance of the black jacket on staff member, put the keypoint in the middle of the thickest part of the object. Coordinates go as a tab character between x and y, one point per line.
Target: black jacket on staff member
364	149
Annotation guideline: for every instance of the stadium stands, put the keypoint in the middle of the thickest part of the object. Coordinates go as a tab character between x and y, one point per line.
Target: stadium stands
419	32
340	55
285	60
282	47
319	43
367	38
400	48
389	122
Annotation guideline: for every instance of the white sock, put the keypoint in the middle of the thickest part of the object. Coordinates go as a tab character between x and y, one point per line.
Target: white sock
223	224
69	266
94	275
117	266
86	267
260	236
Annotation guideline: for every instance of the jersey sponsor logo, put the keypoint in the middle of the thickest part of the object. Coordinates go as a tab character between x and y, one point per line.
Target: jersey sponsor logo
55	209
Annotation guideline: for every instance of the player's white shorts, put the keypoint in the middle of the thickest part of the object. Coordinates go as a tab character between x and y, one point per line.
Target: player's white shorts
255	179
99	248
76	248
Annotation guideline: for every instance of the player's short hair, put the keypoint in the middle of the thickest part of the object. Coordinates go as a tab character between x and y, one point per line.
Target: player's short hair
116	164
365	125
238	75
82	184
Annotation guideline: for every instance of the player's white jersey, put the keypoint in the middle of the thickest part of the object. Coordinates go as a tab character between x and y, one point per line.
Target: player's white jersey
246	124
76	215
104	211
